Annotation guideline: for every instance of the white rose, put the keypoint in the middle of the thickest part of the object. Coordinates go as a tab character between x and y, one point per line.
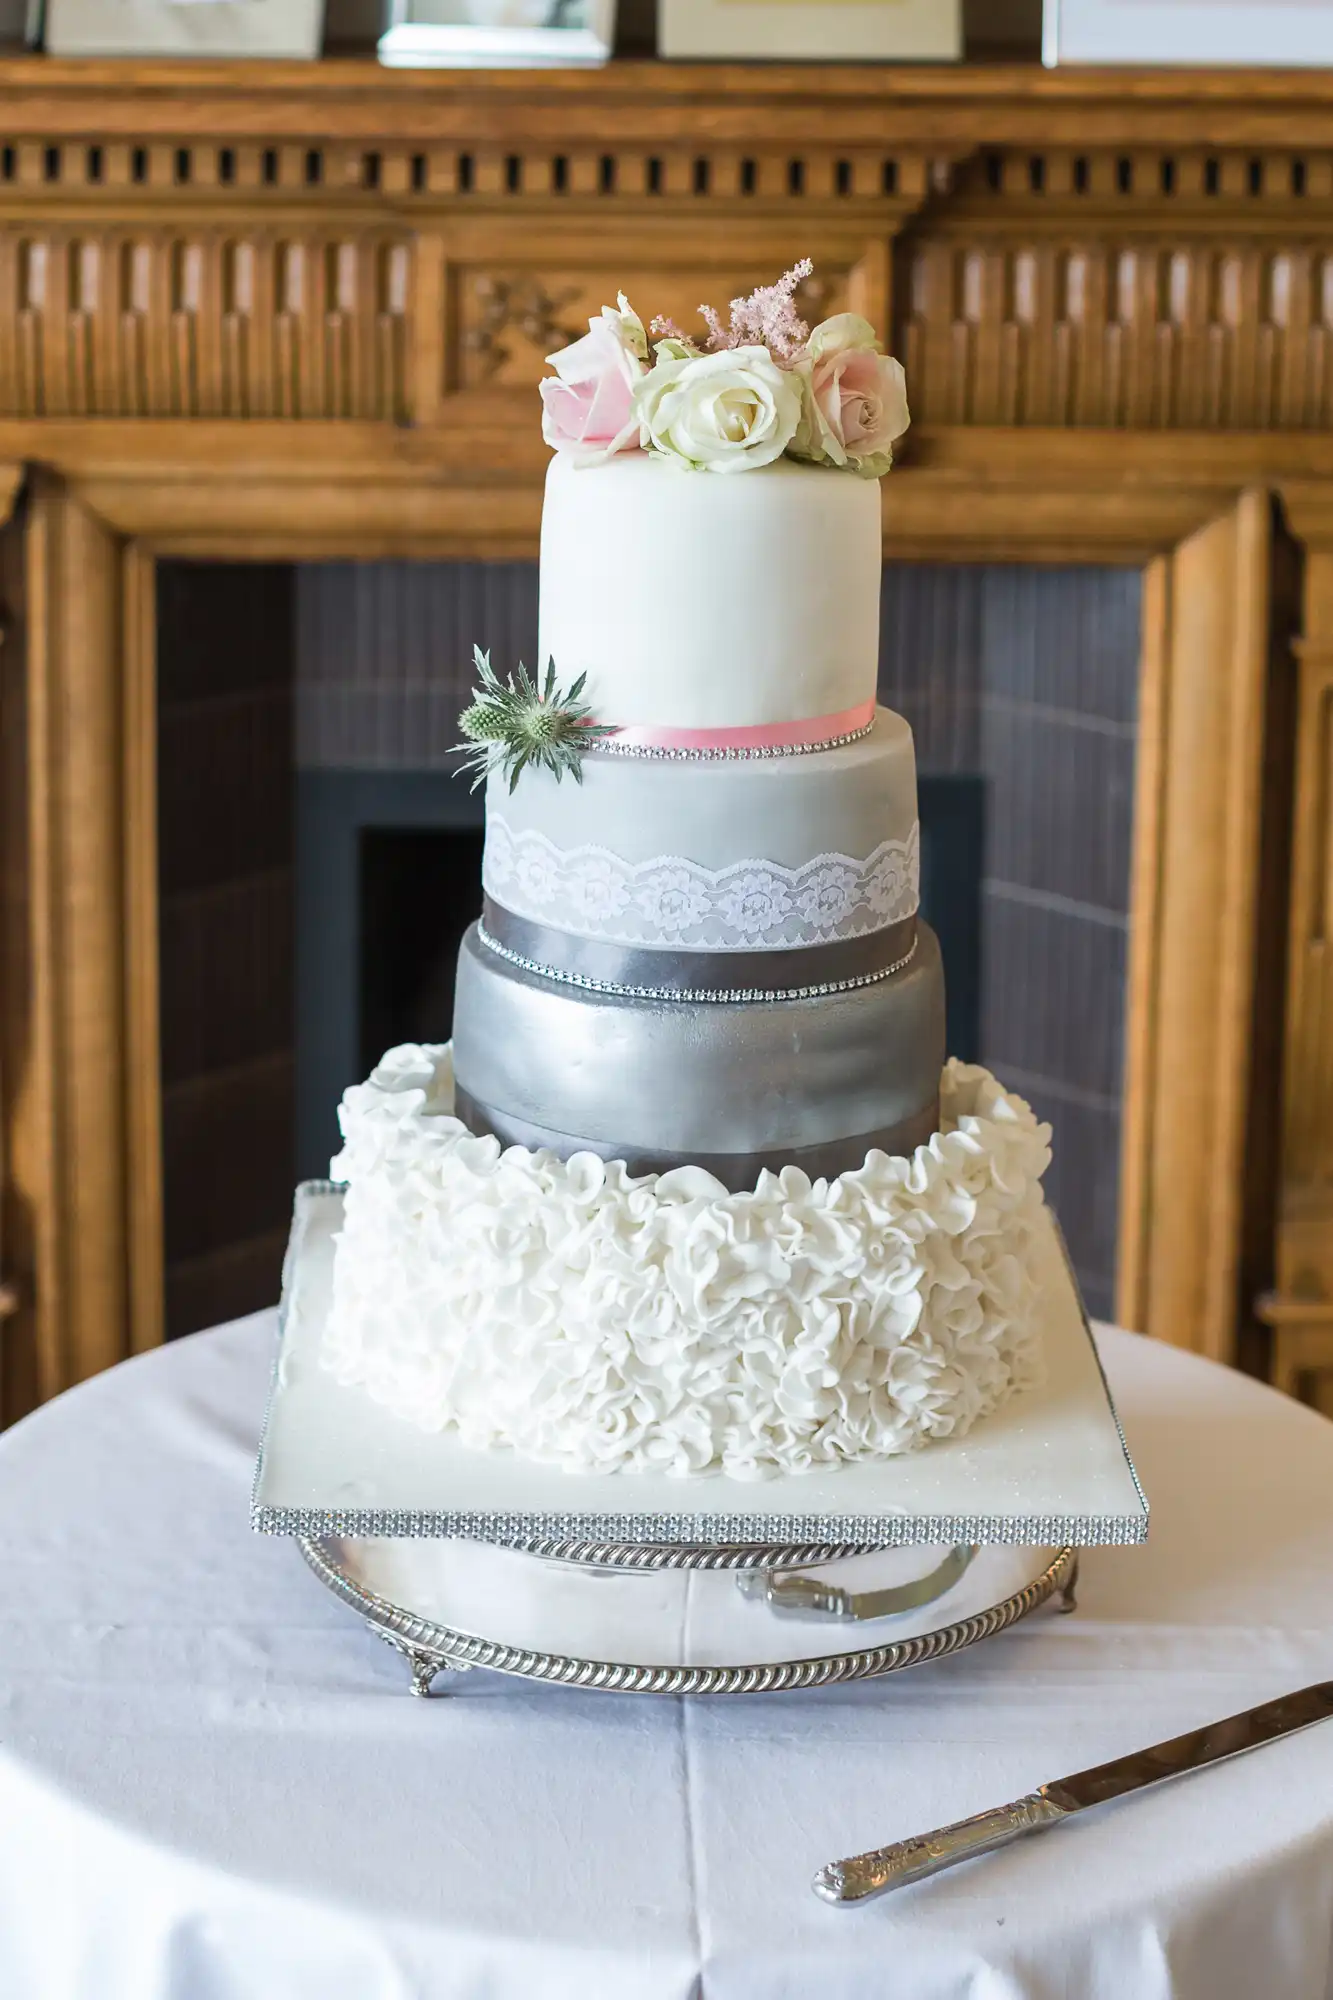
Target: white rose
722	412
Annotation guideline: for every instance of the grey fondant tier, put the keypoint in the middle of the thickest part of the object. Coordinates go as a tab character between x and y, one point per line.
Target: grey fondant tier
768	853
733	1087
786	809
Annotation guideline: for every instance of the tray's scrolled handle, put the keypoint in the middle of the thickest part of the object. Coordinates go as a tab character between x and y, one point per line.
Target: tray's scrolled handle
905	1861
792	1594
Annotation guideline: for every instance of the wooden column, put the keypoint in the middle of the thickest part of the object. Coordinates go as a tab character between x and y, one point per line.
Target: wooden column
142	1075
1196	925
77	1138
18	1390
1299	1309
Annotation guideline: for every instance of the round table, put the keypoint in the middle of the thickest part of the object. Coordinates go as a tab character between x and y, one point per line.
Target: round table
215	1786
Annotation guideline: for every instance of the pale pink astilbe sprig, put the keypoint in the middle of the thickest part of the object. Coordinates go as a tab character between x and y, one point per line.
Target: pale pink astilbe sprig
767	318
664	328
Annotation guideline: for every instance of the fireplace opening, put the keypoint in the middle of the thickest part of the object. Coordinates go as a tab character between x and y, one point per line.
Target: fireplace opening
420	889
320	860
388	877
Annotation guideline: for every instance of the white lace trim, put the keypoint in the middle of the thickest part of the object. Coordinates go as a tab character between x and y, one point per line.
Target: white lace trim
670	901
583	1316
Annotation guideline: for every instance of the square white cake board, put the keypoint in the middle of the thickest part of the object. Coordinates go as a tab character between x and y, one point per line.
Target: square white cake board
1048	1469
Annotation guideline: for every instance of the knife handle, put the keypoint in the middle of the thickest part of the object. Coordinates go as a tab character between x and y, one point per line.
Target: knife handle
925	1854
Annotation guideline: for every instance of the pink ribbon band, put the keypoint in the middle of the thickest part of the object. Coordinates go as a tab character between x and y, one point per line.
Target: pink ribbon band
810	733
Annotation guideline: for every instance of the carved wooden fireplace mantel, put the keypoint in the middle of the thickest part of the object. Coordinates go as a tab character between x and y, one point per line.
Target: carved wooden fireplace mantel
297	311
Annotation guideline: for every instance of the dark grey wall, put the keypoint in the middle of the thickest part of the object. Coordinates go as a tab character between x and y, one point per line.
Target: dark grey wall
1025	677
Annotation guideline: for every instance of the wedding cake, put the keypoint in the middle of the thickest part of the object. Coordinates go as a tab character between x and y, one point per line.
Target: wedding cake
694	1188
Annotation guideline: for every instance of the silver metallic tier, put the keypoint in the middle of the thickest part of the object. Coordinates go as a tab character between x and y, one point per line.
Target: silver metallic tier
736	1171
757	1083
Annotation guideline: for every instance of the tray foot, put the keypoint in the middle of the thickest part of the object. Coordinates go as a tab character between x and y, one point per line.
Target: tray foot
425	1667
1067	1596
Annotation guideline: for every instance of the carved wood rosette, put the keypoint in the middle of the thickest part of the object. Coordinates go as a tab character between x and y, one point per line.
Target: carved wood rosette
297	311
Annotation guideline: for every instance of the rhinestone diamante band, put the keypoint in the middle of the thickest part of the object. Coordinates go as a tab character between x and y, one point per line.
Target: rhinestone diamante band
608	747
717	995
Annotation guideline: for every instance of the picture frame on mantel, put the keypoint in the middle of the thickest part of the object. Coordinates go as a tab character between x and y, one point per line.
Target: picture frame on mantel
812	30
497	34
1278	34
235	29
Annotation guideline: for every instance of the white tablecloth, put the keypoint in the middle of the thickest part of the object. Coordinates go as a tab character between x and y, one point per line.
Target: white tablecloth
214	1785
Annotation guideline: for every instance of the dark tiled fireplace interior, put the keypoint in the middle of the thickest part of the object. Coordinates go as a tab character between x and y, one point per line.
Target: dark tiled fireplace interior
406	968
1019	684
1028	678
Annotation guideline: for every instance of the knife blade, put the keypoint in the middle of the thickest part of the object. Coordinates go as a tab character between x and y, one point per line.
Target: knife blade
903	1861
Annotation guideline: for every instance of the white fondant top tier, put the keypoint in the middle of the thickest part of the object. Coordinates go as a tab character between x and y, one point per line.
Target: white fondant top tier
694	601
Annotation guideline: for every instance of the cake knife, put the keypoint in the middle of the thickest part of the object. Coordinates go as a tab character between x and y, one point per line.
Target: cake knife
863	1875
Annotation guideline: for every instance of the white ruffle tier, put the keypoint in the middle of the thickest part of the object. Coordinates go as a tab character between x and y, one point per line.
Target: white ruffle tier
586	1317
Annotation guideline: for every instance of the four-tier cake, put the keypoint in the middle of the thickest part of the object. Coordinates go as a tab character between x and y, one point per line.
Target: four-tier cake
694	1188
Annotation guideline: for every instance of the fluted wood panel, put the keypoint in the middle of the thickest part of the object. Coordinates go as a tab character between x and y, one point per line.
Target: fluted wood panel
200	268
205	322
312	322
1178	336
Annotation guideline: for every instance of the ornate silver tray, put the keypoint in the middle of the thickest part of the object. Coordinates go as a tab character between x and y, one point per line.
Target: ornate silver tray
432	1649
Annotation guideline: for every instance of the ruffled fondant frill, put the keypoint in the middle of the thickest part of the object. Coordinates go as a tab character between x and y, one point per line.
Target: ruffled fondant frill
588	1318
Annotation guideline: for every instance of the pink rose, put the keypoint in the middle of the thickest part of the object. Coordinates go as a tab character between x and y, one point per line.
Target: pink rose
855	398
588	407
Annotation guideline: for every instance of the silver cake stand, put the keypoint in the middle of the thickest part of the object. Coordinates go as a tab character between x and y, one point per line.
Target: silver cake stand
775	1572
463	1559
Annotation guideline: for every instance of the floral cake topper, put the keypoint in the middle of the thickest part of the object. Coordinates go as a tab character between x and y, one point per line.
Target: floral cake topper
761	387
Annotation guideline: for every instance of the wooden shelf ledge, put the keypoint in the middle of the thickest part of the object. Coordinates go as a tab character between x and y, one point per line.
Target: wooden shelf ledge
942	104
